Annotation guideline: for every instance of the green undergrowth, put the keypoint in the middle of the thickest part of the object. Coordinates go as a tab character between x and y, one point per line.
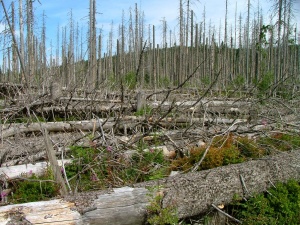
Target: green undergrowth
280	142
95	168
156	213
280	205
146	110
229	149
30	188
98	167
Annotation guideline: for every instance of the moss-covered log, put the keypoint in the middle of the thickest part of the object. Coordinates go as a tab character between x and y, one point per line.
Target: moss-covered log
191	193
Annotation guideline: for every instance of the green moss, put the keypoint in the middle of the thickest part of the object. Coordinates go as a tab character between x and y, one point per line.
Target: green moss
280	142
34	188
99	168
278	206
249	148
159	215
229	149
144	111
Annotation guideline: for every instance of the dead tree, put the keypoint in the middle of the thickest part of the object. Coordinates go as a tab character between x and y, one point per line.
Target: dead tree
191	194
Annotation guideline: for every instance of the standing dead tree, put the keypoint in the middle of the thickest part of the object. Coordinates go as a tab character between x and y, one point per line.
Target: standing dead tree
16	46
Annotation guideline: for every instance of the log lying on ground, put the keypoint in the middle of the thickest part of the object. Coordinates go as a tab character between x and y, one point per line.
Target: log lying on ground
24	150
47	212
89	125
96	108
191	193
14	172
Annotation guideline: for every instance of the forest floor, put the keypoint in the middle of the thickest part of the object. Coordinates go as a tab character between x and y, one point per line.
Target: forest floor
100	140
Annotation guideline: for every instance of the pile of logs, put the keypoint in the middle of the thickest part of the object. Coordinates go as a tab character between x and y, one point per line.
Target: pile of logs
191	194
179	125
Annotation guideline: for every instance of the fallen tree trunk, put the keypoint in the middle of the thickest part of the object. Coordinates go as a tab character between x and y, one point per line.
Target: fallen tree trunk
191	193
88	125
47	212
92	125
14	172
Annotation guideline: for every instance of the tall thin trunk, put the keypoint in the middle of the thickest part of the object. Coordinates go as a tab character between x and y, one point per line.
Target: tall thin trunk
21	28
247	45
136	38
278	65
92	46
154	59
71	59
181	42
30	41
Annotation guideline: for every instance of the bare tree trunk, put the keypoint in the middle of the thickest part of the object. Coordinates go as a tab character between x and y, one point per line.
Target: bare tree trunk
15	43
21	28
30	41
71	56
92	46
191	194
247	45
154	64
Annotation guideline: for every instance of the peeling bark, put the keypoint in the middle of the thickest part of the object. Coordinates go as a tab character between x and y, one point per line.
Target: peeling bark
191	193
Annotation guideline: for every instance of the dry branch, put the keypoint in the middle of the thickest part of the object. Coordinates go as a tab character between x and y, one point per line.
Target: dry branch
54	164
191	193
87	125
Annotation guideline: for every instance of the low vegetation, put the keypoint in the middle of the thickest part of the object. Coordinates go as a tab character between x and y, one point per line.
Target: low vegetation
156	213
278	205
95	168
30	188
231	149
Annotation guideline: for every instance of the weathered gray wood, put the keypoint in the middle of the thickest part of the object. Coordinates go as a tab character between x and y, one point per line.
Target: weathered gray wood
22	150
54	164
194	193
13	172
125	206
55	90
141	101
190	193
55	212
89	125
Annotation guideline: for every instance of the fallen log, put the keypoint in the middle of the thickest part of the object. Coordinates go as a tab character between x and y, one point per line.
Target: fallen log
46	212
86	125
14	172
191	194
83	108
30	149
91	125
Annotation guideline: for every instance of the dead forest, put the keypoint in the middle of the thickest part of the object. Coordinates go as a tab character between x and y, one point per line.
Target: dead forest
191	117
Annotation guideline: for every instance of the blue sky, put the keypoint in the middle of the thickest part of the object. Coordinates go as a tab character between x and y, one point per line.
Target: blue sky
58	11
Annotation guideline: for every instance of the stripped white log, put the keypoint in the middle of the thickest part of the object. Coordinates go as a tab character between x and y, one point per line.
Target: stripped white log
207	102
86	125
89	125
13	172
125	206
191	194
53	212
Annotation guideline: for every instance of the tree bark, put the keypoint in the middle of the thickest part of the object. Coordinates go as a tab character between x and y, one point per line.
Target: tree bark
191	193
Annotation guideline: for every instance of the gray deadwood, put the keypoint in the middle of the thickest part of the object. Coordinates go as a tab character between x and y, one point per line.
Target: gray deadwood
191	193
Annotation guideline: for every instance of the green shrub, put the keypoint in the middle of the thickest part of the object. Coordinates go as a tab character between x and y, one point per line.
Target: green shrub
99	168
280	142
130	80
264	84
159	215
34	188
144	111
278	206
